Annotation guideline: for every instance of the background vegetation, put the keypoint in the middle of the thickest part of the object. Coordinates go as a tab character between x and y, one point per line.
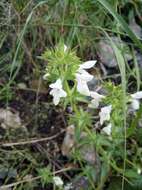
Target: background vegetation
27	28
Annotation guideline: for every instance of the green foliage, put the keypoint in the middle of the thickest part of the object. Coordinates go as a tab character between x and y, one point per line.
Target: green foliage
46	175
82	120
19	5
61	63
26	29
6	93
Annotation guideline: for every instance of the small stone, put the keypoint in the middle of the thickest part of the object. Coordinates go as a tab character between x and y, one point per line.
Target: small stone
69	140
106	52
21	85
8	119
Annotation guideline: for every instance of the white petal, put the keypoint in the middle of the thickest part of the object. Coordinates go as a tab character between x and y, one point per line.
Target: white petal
135	104
84	75
65	48
53	92
87	76
96	99
57	84
105	114
58	181
88	64
57	94
82	87
56	100
94	103
137	95
96	95
62	93
107	129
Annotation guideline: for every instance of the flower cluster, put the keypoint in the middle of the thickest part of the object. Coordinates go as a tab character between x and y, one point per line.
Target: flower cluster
80	76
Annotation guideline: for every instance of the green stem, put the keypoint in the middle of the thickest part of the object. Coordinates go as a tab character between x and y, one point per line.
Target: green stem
70	94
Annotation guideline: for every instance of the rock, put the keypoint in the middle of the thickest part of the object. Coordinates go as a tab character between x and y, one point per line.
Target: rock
8	119
87	151
69	140
106	53
8	172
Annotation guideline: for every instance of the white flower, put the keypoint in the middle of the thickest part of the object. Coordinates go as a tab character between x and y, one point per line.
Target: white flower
88	64
82	77
58	181
107	129
57	92
96	99
105	114
135	100
137	95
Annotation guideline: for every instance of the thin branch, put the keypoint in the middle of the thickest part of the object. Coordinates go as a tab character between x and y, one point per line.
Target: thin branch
33	141
32	179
